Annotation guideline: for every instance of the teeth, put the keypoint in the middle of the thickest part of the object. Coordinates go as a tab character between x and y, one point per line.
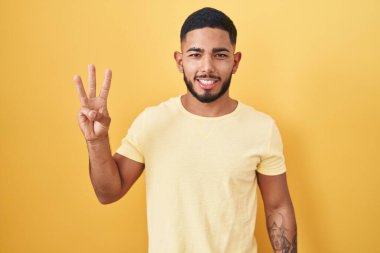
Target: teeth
207	82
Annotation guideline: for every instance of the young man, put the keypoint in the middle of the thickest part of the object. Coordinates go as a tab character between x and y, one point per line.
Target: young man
204	153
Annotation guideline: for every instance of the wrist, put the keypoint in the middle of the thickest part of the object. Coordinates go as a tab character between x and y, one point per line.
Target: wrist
98	141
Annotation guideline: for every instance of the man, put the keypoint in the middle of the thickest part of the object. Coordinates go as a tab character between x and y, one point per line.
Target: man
204	153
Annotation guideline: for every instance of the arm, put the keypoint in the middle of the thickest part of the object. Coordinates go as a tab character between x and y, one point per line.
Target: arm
279	213
110	176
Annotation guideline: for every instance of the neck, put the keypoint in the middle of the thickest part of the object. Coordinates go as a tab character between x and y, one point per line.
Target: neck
222	106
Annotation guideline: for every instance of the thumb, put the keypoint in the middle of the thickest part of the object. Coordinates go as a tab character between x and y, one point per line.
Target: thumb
85	112
101	118
92	115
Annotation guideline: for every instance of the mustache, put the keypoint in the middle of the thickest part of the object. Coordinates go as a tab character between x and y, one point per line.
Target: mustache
208	76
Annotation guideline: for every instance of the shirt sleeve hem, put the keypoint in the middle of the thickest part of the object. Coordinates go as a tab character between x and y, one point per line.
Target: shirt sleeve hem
129	155
273	172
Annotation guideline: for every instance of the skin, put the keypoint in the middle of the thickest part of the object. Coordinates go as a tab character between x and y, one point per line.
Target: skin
207	53
111	176
198	59
279	212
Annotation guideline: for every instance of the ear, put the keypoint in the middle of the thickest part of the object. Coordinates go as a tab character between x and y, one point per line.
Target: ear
178	59
237	58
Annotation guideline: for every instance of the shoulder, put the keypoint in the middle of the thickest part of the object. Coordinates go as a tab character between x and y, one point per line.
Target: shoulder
160	114
164	109
264	128
251	115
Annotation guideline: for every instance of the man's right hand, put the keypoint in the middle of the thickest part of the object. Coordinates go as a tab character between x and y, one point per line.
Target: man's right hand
93	117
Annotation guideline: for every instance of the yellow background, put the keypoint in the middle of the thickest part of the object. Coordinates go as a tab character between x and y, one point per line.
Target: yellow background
312	65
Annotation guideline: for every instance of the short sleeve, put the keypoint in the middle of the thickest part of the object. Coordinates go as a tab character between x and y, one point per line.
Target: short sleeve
273	161
132	144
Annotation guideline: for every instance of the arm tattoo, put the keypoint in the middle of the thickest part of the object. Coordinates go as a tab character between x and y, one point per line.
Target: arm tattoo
277	235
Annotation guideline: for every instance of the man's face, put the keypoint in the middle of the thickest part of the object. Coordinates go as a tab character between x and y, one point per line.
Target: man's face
207	62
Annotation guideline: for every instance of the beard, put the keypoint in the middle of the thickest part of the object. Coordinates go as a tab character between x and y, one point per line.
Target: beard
207	97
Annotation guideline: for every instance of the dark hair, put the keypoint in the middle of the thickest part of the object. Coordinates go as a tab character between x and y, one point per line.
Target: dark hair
209	17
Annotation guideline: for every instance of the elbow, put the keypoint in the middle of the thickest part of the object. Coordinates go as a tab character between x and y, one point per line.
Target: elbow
106	199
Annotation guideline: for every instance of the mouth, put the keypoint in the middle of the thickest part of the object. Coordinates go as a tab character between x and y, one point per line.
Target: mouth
207	84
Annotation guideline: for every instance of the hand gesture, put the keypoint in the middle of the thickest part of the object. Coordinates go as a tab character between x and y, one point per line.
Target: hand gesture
93	117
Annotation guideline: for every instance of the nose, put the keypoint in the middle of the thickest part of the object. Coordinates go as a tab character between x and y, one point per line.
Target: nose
207	64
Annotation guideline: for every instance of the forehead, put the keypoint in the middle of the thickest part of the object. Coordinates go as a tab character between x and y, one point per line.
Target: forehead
207	38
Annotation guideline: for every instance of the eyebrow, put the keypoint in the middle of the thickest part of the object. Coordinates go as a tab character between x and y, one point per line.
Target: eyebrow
214	50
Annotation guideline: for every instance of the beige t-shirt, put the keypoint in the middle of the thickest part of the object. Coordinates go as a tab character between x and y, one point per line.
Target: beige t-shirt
201	175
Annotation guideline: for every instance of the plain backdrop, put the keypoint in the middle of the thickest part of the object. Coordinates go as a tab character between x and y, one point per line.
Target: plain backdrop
312	65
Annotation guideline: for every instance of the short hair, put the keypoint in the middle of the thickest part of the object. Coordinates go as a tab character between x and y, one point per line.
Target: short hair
209	17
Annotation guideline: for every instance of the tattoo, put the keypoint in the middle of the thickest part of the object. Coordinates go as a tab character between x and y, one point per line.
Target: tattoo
294	244
277	235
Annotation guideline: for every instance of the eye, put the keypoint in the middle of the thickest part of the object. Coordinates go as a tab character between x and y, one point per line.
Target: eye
195	55
221	55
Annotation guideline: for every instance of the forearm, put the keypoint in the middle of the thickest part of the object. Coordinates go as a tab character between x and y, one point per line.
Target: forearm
104	173
282	229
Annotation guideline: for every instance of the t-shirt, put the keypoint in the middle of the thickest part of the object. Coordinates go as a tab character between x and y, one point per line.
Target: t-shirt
201	175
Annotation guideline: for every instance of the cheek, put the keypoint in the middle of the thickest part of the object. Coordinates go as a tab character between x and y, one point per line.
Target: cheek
225	66
189	70
225	70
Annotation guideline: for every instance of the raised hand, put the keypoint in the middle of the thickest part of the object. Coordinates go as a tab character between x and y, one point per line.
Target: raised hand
93	117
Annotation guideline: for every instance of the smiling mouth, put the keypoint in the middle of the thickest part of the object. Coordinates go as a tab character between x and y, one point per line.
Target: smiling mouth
207	83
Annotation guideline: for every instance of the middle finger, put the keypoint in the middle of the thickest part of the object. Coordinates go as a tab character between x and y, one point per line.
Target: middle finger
91	81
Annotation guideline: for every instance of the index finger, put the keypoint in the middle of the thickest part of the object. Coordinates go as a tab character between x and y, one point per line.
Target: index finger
106	84
91	81
81	92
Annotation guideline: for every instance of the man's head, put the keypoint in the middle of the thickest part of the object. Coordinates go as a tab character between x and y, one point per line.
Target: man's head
208	58
209	17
